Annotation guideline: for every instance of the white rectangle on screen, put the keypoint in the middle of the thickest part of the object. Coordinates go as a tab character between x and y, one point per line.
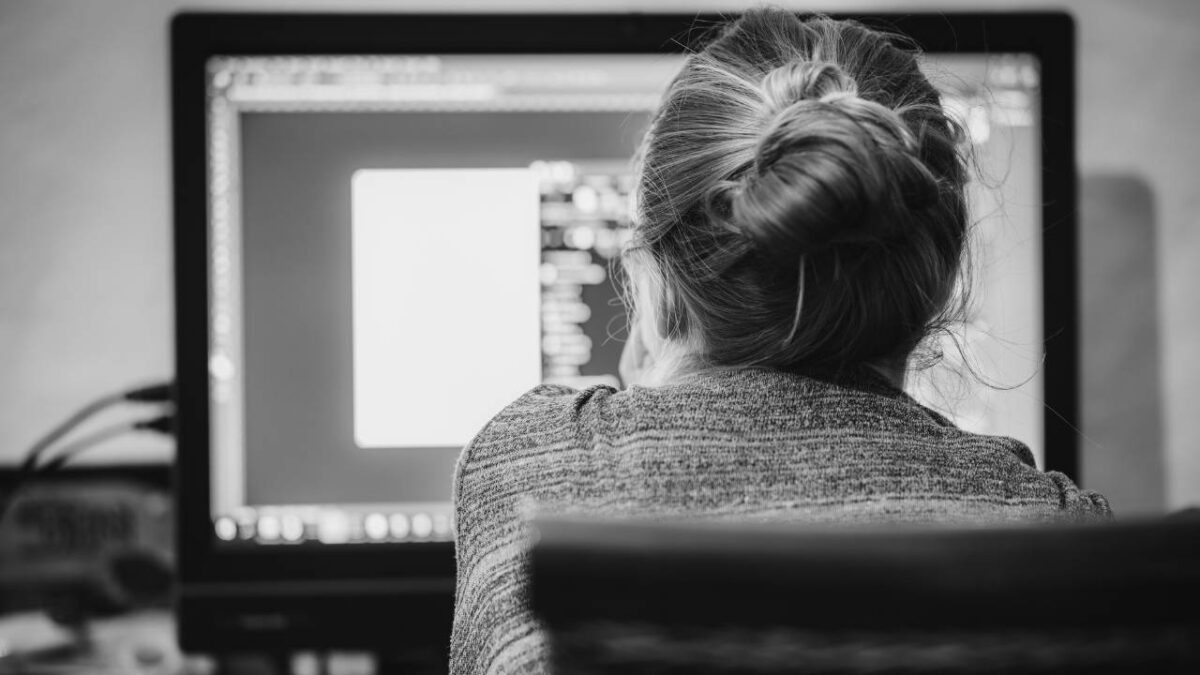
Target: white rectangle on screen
447	301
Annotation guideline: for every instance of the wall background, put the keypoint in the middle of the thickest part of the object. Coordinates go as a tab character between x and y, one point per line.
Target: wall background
85	216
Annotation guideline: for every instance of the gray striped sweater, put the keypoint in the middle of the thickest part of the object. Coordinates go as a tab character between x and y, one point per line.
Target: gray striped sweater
749	444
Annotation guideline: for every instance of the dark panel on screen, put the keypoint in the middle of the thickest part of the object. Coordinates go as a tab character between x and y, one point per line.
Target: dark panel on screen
296	177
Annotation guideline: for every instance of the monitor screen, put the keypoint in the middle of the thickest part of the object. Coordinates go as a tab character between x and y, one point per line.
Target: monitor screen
401	245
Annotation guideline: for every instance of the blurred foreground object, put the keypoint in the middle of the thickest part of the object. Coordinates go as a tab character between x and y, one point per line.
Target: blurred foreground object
724	598
82	547
137	643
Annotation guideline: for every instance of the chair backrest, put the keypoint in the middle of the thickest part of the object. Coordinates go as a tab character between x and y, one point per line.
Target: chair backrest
707	597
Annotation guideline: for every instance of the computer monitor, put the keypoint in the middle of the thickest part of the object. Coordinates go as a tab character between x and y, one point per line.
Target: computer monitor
389	226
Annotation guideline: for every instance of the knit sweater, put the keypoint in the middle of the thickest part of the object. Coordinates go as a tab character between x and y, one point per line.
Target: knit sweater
730	444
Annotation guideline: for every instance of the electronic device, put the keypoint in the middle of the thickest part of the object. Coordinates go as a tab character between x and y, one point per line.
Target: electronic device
389	226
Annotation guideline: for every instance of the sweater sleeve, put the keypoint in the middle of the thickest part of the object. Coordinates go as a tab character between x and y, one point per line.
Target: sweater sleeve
499	472
1079	504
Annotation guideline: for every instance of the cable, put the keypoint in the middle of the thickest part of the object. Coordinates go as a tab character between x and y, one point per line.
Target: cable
162	392
83	443
162	424
159	392
65	427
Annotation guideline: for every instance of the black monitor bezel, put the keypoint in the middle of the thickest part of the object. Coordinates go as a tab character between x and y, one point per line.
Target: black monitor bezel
195	37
